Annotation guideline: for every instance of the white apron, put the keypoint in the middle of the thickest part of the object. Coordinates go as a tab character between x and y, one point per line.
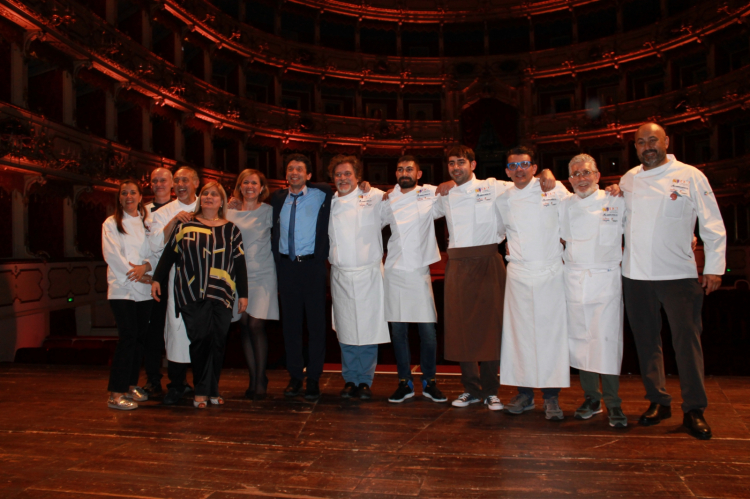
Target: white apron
175	335
535	338
595	318
358	310
408	296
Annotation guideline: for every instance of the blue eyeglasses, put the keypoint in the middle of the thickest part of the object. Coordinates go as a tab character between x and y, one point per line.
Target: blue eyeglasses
523	165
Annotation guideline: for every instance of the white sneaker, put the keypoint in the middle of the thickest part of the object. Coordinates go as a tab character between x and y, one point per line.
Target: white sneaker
493	403
464	400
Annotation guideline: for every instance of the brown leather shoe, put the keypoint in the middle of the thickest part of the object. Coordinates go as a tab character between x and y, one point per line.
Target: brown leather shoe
655	414
694	422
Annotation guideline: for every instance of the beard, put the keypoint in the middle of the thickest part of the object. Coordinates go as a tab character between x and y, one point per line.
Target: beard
406	182
658	157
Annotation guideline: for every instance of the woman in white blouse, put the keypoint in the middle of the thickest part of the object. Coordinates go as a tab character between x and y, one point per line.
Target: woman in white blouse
126	251
254	219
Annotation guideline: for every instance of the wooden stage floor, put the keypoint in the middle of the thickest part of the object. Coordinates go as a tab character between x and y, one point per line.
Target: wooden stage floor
58	439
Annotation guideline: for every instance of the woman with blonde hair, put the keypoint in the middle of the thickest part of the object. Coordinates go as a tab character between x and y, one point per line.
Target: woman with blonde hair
254	219
211	270
126	251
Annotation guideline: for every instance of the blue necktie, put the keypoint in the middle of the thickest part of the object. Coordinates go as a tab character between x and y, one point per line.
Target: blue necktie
292	217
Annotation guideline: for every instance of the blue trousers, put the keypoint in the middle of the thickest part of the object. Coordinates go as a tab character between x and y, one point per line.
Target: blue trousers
358	363
427	349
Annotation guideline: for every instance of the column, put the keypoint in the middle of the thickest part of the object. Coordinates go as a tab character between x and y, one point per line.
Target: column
277	19
580	101
177	49
400	106
622	90
711	60
242	11
664	4
111	11
241	155
486	40
317	29
532	43
620	22
441	42
358	112
575	26
357	45
208	67
715	142
69	228
146	31
669	76
276	90
398	41
241	82
317	99
280	166
18	226
68	99
179	142
147	130
110	116
208	150
19	76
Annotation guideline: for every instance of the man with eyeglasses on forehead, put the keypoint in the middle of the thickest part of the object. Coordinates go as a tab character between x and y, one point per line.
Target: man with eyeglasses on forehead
535	336
592	228
474	278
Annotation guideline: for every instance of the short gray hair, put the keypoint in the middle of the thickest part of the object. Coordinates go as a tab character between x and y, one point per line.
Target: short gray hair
582	158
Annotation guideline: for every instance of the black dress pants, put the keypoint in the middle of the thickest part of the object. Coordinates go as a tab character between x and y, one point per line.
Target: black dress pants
682	300
132	327
302	290
153	350
207	323
480	379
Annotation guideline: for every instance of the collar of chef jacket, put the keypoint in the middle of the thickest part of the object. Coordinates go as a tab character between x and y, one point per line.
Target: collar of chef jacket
641	173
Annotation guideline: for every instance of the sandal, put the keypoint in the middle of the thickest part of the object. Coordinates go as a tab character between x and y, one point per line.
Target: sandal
217	400
200	404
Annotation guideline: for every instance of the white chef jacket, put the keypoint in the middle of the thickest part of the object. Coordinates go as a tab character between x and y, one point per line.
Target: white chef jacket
175	334
412	247
592	228
119	251
535	350
356	255
469	212
662	205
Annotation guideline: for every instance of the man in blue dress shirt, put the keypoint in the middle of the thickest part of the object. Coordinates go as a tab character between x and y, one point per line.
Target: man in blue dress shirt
300	247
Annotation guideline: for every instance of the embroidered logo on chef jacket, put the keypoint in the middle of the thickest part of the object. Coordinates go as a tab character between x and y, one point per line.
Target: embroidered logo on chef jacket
611	214
679	186
483	194
423	194
365	201
549	199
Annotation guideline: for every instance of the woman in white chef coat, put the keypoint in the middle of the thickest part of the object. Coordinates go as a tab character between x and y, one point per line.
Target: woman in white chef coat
254	219
126	251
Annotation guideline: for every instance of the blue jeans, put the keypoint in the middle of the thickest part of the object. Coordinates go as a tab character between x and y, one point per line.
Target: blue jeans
358	363
427	349
547	393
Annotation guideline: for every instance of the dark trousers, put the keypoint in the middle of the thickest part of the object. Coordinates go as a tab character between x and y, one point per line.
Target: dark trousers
481	379
427	350
154	345
207	324
610	387
547	393
682	300
132	326
302	290
177	373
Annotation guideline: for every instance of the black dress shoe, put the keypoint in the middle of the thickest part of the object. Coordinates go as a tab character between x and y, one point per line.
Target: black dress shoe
153	388
364	392
260	396
188	389
312	392
698	427
250	394
294	388
655	414
172	397
349	391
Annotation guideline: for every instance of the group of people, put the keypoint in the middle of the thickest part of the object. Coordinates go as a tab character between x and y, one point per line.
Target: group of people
559	303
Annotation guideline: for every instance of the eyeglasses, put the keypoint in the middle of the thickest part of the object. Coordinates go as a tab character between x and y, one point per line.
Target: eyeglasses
523	165
582	173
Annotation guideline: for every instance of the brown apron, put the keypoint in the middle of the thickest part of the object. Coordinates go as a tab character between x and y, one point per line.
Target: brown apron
474	292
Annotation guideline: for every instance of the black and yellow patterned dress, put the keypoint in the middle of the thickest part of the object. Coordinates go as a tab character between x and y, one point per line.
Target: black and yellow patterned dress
211	269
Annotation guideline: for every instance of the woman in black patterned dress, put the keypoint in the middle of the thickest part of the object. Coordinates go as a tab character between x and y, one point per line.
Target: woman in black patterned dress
210	268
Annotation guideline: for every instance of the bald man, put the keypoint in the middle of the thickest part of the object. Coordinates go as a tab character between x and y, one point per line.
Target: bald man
161	186
663	199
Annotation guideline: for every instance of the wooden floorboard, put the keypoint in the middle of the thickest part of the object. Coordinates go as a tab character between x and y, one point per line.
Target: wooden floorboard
58	439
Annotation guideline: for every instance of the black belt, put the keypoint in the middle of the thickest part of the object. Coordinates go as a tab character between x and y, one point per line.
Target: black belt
299	258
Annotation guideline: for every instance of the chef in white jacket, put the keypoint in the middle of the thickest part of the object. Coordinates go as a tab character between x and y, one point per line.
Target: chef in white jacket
592	226
412	247
356	257
535	331
180	210
663	199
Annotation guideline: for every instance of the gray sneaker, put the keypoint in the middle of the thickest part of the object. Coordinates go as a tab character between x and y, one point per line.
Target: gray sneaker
616	418
552	410
520	403
588	409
